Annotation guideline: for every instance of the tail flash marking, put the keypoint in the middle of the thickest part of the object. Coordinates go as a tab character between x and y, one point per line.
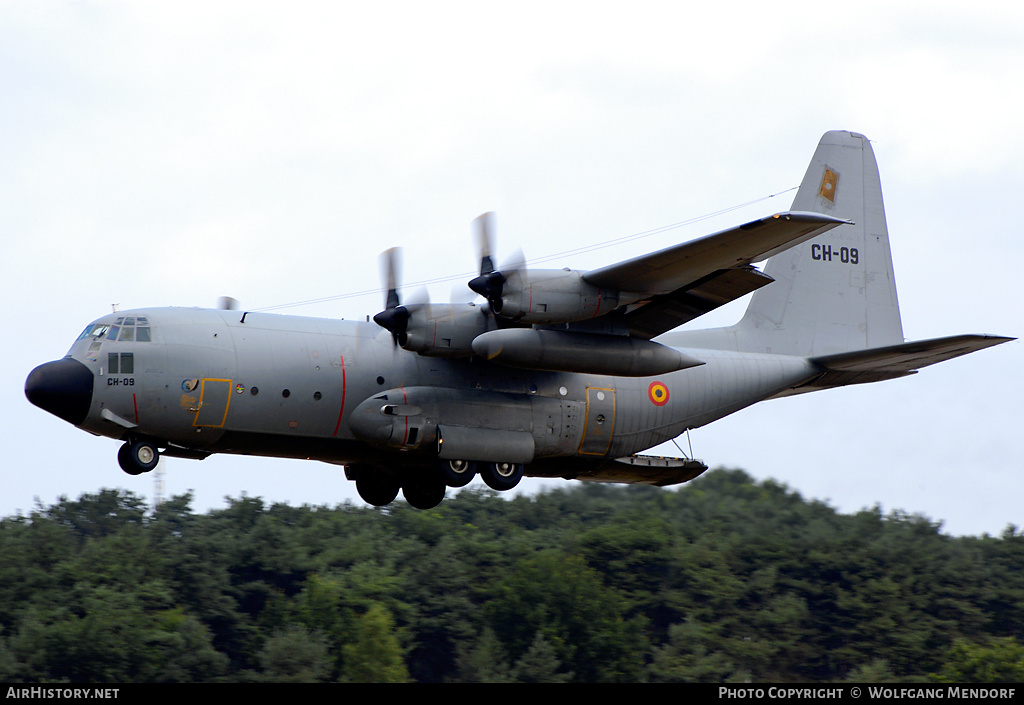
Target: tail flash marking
829	183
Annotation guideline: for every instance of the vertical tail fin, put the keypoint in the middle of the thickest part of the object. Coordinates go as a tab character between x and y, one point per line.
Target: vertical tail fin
837	292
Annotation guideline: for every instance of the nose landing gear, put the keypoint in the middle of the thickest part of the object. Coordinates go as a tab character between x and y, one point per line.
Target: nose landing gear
137	456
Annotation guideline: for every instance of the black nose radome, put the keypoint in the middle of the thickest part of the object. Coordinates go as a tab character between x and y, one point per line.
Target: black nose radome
62	387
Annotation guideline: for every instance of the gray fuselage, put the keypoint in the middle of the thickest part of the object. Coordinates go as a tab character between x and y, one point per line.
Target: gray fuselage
212	380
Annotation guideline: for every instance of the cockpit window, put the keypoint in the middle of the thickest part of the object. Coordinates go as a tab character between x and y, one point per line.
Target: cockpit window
94	330
131	328
136	329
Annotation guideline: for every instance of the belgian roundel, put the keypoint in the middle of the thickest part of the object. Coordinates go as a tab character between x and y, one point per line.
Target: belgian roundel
658	393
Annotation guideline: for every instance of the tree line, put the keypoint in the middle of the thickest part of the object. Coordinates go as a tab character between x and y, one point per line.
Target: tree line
724	579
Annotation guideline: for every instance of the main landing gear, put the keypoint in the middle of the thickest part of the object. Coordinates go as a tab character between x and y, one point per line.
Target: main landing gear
501	476
138	456
424	491
425	487
376	487
498	476
456	473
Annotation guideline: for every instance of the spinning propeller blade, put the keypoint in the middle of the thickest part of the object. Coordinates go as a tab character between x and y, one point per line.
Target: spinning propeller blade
491	282
394	317
483	226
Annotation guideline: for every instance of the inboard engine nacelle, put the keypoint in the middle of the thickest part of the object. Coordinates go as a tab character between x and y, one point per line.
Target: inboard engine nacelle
544	297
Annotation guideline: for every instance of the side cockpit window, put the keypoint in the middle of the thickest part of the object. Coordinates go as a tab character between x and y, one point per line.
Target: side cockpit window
94	331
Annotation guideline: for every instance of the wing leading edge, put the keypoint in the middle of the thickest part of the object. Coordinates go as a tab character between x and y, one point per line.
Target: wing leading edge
679	266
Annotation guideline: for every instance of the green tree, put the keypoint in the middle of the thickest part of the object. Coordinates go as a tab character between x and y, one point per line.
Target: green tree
295	655
540	664
563	599
721	579
374	655
483	660
1001	660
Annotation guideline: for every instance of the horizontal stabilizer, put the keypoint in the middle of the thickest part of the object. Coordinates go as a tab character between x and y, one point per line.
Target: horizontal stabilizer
892	361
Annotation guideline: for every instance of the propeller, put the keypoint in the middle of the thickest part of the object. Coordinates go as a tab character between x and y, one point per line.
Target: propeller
394	317
483	226
490	282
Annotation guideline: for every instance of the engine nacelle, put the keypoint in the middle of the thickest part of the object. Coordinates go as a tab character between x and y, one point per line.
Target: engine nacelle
581	352
444	330
552	296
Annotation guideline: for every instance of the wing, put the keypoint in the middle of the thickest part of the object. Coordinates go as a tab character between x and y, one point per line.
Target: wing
639	299
652	317
681	266
688	280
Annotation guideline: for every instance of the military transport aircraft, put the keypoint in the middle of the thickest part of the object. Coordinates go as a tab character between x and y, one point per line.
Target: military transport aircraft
553	373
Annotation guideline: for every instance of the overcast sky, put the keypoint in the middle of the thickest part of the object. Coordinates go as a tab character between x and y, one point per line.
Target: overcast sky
170	153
